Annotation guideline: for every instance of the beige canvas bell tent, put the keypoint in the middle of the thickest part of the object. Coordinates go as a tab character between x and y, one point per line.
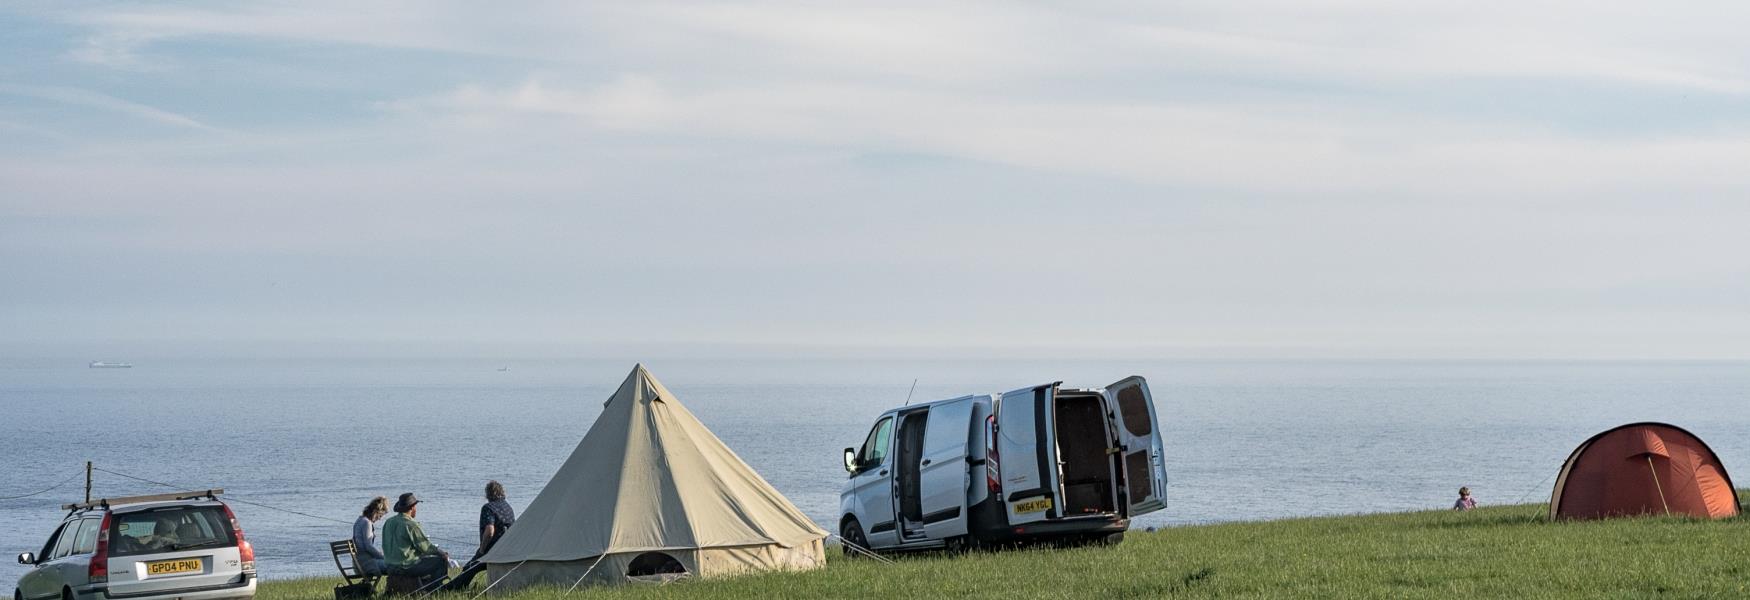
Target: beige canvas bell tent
651	493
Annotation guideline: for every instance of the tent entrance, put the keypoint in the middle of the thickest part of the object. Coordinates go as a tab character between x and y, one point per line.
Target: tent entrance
654	563
1084	454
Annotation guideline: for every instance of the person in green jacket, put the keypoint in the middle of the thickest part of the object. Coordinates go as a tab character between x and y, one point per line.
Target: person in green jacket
406	550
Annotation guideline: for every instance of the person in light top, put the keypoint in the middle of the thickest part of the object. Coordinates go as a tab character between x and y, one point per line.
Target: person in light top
1465	502
364	537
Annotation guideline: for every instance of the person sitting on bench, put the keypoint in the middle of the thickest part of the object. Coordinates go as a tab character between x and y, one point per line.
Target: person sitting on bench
364	537
406	549
496	517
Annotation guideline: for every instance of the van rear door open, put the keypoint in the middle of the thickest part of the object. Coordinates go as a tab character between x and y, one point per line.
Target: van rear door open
1025	454
1138	427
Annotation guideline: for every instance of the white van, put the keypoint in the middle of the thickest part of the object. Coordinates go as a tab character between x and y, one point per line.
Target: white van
184	546
1044	462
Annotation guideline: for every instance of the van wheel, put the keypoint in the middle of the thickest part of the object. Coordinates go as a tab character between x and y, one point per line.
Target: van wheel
851	534
67	593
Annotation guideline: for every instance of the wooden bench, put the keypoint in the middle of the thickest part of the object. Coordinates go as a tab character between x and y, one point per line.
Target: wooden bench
358	583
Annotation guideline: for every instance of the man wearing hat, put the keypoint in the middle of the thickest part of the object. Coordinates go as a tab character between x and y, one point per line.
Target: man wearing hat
406	550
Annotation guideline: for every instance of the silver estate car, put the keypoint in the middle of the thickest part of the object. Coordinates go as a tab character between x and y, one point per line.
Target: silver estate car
184	547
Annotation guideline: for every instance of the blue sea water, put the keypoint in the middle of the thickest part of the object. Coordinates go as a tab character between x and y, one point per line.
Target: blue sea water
1245	440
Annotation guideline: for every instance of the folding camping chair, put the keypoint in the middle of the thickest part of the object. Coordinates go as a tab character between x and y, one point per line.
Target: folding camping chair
358	584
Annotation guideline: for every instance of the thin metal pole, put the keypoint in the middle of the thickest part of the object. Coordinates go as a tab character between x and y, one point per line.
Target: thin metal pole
1656	485
88	482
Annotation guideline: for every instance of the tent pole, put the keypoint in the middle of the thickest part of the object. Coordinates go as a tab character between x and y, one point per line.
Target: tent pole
1656	485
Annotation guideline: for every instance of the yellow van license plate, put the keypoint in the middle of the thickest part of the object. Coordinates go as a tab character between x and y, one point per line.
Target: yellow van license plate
1032	506
172	567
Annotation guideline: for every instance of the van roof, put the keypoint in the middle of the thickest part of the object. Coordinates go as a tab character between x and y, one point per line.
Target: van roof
918	405
212	494
145	506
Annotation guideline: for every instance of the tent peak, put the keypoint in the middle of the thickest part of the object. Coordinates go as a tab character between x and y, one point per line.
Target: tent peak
640	385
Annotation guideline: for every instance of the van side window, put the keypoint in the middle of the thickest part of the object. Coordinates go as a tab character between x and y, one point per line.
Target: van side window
64	546
86	542
875	448
48	552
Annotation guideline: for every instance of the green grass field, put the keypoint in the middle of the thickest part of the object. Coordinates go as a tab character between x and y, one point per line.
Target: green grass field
1500	552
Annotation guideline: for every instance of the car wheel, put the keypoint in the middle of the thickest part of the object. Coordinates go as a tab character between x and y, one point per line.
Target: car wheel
851	534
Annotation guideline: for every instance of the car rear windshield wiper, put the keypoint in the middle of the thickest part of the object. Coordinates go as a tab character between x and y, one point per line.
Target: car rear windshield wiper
181	547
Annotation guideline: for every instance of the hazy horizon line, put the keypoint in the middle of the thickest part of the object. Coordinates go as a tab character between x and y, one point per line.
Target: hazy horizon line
134	350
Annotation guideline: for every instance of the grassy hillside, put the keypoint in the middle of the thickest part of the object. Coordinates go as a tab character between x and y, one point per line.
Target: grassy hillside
1488	553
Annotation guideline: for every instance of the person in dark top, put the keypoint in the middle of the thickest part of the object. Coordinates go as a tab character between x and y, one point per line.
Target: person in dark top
496	517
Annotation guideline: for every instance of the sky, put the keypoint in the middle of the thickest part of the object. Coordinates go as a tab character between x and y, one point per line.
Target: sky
1355	179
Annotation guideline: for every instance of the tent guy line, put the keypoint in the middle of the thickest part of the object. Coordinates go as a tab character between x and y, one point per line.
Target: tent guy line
45	491
233	498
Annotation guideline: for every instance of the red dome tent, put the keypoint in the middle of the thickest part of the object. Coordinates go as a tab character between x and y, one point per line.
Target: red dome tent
1643	469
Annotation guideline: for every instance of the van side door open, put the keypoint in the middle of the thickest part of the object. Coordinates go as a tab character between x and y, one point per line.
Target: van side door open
943	468
1026	457
1139	440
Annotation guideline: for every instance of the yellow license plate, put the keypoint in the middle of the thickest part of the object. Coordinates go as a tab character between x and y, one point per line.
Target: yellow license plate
1032	506
172	567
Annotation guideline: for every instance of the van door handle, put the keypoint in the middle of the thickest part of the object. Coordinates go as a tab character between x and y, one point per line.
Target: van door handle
926	462
883	472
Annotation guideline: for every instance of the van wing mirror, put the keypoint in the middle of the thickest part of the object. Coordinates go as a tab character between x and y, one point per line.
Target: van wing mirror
27	559
850	460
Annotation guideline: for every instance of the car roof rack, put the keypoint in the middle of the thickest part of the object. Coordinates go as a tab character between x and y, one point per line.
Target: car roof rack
212	494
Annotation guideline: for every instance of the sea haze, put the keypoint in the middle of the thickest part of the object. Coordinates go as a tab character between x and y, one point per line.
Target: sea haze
1245	440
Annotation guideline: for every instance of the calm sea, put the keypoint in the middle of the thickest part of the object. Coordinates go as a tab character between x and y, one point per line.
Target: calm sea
1245	440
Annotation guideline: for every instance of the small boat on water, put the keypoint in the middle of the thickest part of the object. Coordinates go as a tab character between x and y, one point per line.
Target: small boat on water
503	369
98	364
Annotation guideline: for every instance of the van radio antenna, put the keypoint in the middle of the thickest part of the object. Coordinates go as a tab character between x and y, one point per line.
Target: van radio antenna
914	387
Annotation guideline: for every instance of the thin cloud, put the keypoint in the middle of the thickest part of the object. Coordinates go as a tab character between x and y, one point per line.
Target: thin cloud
1286	145
106	102
1368	176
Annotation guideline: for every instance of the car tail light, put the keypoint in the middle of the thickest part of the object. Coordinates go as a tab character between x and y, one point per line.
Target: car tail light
245	552
992	471
98	572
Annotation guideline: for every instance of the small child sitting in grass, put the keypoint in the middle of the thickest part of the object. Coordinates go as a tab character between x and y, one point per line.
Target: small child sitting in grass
1465	502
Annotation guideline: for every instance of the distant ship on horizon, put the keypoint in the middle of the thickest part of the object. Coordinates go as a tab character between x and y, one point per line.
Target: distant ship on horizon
98	364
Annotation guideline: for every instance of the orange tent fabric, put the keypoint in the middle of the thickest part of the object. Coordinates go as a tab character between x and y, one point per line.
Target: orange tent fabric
1643	469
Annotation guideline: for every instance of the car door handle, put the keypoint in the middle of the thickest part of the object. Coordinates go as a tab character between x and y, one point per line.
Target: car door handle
926	462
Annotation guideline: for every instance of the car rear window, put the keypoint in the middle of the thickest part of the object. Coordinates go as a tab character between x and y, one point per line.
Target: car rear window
170	529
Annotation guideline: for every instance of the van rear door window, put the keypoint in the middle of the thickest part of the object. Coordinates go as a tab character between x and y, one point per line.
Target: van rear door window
169	530
1137	419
